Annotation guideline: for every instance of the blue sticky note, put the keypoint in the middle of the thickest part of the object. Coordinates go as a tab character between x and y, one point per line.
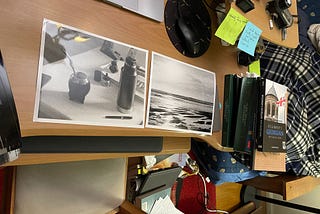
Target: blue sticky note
249	38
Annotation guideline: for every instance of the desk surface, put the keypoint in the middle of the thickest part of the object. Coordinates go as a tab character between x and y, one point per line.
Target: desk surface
20	36
260	18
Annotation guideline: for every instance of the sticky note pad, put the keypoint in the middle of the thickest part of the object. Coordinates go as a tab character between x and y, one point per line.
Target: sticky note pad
254	67
231	26
249	38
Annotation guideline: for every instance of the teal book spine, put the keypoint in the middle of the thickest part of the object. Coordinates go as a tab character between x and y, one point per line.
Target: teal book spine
246	116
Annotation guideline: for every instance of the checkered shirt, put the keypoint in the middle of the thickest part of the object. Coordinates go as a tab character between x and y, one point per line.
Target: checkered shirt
299	70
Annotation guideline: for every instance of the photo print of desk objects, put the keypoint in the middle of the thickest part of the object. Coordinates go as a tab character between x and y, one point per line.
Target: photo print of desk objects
181	96
88	79
188	25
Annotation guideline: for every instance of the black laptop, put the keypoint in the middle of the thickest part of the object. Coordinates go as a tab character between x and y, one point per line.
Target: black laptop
159	178
10	137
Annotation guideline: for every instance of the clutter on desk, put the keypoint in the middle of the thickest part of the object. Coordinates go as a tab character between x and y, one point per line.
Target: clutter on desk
128	81
277	9
252	61
255	120
175	176
188	25
235	28
279	13
231	26
245	59
155	162
147	202
245	5
181	96
99	81
221	14
145	187
164	205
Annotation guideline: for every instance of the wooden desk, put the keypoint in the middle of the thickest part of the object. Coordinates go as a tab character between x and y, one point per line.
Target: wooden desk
260	18
20	35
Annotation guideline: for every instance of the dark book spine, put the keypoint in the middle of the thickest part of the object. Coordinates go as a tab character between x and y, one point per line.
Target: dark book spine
260	114
244	134
236	96
228	110
237	89
10	136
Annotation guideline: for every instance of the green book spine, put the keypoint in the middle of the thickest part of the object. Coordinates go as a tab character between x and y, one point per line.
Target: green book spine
236	95
246	116
260	114
227	121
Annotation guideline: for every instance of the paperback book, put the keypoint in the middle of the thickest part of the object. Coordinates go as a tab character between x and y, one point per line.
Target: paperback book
271	134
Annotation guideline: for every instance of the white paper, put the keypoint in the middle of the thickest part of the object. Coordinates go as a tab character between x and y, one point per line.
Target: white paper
53	102
164	206
181	96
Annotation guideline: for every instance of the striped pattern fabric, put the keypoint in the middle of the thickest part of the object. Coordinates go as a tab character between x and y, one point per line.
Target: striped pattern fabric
299	70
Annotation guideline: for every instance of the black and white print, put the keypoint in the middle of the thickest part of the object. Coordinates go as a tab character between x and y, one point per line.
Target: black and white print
88	79
181	96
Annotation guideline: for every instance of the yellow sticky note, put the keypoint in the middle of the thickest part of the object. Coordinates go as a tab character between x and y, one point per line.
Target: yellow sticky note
254	67
231	26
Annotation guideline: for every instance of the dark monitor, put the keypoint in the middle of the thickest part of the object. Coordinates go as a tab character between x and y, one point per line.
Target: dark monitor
159	178
10	137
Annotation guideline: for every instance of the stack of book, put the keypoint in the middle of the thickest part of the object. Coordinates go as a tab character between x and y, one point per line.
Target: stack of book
255	120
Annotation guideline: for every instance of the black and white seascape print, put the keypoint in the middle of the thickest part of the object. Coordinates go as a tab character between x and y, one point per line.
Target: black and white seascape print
181	96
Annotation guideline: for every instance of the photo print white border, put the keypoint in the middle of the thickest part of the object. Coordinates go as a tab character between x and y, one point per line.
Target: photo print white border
181	96
99	106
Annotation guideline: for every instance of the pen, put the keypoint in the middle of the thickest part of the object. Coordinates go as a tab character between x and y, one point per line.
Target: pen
284	33
270	24
118	117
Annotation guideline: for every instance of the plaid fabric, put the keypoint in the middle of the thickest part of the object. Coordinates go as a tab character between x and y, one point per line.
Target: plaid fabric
299	70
